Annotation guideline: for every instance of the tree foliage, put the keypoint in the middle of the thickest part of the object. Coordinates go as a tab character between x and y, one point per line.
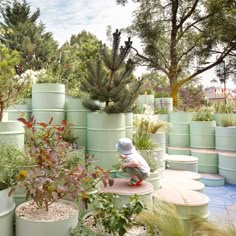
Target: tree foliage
110	79
178	36
10	87
73	58
23	33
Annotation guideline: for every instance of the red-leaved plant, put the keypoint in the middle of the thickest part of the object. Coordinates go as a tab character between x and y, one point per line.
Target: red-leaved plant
53	178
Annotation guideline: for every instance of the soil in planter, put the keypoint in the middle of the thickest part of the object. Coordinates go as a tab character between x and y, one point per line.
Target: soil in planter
57	211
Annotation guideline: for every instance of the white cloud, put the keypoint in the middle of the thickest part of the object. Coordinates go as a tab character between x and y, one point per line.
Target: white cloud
66	17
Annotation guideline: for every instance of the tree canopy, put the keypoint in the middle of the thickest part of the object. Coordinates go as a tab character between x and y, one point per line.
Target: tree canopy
23	32
180	37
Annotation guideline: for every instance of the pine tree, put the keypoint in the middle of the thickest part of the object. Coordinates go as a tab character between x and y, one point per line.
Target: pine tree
23	33
110	78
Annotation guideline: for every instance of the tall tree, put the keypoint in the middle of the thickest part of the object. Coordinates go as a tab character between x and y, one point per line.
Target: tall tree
73	58
25	34
179	37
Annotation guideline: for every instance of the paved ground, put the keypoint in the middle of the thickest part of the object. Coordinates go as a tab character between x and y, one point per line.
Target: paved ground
222	205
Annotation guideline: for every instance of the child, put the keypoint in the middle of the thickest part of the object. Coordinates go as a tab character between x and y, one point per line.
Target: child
134	164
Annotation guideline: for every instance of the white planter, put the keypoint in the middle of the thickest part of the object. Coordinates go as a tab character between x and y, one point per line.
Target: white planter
7	206
59	227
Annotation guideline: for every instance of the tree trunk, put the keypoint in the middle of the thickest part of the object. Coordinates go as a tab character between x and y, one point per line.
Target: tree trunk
174	90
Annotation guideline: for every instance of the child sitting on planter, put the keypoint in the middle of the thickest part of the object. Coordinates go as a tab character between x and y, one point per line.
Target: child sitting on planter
134	164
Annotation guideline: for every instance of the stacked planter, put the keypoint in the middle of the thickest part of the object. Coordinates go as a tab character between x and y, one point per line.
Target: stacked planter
225	138
7	207
179	135
164	104
76	114
48	100
103	132
145	100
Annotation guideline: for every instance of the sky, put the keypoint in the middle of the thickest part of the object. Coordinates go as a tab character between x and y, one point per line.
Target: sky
66	17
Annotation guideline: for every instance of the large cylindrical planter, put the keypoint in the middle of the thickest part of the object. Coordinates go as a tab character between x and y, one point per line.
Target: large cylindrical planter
48	100
207	160
202	134
7	206
76	114
227	166
129	125
12	132
29	227
179	135
19	111
103	132
159	138
179	151
225	138
147	100
164	104
45	115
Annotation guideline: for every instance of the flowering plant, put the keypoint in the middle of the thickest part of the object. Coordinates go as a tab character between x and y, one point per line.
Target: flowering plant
52	178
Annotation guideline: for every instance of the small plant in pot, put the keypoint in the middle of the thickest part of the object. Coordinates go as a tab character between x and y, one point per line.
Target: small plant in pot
107	219
52	181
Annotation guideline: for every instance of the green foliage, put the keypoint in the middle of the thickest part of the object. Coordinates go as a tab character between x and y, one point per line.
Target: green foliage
165	220
73	60
116	220
12	159
10	84
23	33
204	114
224	107
47	76
110	79
50	180
143	142
177	36
228	120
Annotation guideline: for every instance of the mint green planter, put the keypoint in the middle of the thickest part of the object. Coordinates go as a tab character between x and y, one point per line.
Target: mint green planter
19	111
48	100
202	134
144	100
48	96
164	103
103	132
76	114
179	151
45	115
29	227
7	206
227	166
179	135
188	203
129	125
182	162
207	160
12	132
225	138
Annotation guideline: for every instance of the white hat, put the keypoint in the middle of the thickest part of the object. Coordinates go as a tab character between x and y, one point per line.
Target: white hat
125	146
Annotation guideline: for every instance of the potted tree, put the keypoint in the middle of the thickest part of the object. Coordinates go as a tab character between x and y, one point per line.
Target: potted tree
52	184
112	90
11	160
